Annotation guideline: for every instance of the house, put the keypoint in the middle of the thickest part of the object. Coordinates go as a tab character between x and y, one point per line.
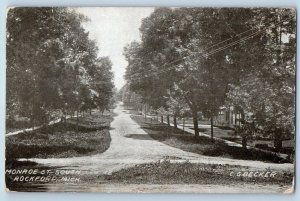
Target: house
227	117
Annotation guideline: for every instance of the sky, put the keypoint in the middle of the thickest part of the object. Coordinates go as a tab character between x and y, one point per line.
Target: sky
113	28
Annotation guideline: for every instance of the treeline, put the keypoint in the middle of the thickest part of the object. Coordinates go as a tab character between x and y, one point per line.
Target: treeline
52	65
200	59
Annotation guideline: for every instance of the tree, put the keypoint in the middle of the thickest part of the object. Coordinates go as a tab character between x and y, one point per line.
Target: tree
177	107
269	91
199	54
166	58
51	64
102	83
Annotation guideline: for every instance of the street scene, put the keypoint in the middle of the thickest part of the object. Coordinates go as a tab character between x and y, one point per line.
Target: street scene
150	100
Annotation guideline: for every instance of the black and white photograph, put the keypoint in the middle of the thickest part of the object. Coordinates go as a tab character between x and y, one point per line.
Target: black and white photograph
150	99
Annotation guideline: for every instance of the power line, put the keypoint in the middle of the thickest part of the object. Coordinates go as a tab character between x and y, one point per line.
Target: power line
234	37
166	69
215	50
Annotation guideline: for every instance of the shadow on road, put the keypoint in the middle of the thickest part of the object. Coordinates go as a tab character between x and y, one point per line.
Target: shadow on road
139	136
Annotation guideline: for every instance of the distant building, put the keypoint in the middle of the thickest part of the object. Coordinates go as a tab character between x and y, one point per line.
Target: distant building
227	117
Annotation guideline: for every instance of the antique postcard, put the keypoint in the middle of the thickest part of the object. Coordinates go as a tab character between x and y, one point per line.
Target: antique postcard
150	100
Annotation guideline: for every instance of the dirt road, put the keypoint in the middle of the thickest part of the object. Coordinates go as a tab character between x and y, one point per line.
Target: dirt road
131	145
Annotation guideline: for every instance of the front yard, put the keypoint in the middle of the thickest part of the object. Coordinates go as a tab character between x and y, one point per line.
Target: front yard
63	140
203	145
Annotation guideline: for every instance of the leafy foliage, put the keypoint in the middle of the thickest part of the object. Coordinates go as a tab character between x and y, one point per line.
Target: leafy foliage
208	57
53	65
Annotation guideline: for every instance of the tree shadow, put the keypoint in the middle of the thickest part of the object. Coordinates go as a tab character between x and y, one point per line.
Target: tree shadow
139	136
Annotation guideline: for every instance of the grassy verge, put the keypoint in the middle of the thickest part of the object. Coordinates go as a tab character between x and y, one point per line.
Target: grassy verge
62	140
203	145
166	172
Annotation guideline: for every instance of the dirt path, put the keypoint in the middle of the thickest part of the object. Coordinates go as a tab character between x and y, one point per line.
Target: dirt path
131	145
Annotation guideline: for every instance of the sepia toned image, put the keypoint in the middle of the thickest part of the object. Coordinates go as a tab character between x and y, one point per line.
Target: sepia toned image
150	100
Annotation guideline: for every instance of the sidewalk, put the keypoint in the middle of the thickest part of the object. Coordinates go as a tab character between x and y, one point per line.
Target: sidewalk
36	127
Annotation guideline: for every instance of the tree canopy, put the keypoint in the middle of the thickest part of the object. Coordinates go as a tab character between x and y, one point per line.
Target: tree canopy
210	57
53	65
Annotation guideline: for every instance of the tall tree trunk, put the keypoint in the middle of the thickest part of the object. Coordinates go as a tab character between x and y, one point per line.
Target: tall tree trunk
77	122
244	142
161	119
195	121
278	140
212	127
168	120
175	121
242	118
235	118
242	121
183	124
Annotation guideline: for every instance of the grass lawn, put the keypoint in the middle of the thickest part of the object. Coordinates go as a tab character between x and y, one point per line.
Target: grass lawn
187	142
63	140
166	172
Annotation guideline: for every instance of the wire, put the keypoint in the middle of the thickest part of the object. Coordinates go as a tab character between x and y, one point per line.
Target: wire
214	51
234	36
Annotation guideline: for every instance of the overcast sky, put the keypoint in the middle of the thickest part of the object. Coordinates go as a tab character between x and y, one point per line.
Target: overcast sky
113	28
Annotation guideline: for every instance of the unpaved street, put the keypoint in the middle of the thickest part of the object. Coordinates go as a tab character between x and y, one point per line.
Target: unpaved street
131	145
